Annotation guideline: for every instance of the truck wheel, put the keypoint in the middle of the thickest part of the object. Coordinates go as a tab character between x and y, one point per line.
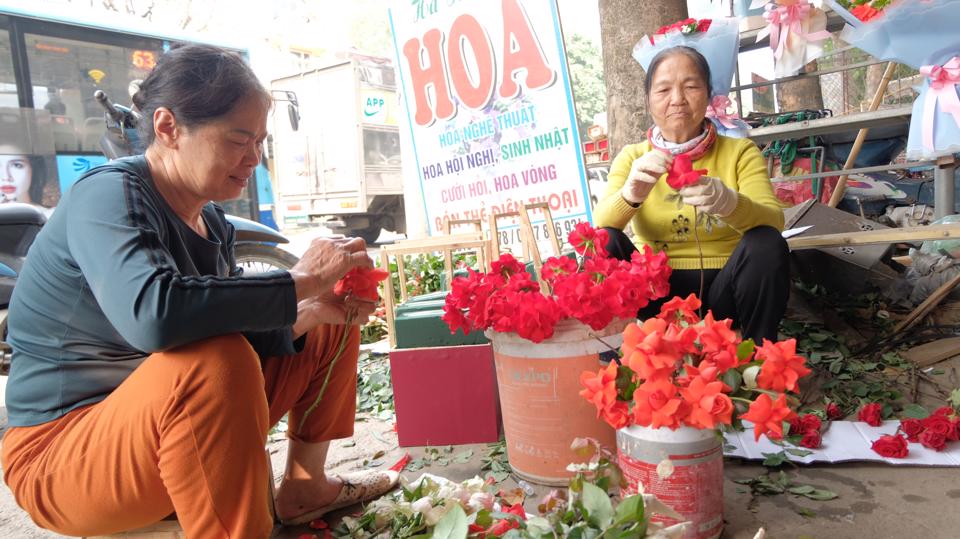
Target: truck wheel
257	258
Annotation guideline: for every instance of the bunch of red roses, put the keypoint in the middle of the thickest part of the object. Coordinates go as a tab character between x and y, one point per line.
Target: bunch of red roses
932	432
686	26
865	10
594	290
678	369
807	429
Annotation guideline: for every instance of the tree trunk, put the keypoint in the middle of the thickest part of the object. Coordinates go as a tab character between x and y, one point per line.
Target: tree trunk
622	24
801	94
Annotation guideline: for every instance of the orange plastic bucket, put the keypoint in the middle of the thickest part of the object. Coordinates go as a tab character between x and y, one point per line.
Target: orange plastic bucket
539	385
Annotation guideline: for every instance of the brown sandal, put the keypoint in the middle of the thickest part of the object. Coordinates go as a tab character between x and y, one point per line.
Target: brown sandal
357	488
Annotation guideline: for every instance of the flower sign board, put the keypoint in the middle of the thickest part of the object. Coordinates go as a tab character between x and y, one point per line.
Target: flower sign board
490	111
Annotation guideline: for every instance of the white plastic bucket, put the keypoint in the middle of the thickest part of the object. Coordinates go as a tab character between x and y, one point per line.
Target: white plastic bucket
693	485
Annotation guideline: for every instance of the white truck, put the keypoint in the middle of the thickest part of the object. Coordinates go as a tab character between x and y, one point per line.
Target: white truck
338	162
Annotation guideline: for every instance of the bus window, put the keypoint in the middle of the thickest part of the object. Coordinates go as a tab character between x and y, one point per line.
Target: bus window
8	81
66	72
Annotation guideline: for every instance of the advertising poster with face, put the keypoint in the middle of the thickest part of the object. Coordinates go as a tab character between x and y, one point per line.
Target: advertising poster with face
28	165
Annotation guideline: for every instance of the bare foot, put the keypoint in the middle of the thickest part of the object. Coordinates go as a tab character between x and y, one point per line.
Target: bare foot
298	496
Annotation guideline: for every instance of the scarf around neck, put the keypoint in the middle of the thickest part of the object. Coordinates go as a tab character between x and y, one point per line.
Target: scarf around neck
696	148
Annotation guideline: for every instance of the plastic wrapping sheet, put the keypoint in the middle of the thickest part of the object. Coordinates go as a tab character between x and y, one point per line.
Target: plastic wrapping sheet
719	45
917	33
844	441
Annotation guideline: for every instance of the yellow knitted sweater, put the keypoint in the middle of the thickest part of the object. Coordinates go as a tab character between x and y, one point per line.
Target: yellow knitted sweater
662	226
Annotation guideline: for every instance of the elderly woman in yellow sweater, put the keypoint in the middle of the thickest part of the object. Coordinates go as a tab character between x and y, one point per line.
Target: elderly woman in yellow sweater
744	257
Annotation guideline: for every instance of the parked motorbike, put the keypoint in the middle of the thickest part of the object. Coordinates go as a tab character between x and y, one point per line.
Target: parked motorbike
255	250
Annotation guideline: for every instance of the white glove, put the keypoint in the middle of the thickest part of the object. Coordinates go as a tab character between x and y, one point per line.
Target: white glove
711	196
644	173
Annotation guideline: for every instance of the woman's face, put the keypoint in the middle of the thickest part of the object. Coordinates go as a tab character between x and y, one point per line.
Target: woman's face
217	159
15	176
678	98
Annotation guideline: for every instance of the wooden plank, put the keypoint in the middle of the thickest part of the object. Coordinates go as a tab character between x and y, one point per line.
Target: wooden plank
873	237
928	304
388	297
933	352
436	243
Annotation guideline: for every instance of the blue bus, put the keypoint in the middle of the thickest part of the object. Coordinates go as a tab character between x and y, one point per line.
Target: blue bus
50	66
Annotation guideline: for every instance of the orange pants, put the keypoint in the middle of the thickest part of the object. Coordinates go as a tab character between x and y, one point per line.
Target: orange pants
184	432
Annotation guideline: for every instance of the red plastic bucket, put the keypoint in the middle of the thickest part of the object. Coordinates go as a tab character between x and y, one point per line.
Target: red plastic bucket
539	387
694	486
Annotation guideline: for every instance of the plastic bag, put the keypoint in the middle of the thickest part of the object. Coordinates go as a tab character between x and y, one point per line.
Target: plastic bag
950	248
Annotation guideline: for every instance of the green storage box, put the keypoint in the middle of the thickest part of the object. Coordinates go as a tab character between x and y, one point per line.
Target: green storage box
418	324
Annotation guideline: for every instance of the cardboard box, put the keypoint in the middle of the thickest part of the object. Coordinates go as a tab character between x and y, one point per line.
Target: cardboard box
848	268
445	395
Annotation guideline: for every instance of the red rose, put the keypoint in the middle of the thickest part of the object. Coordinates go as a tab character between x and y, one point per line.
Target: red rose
912	428
956	430
703	25
795	426
810	423
502	526
834	412
891	446
361	282
933	440
516	509
870	414
939	424
943	410
811	439
864	12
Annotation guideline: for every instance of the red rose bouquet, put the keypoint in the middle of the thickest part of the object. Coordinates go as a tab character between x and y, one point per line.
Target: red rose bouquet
594	289
865	10
685	27
678	369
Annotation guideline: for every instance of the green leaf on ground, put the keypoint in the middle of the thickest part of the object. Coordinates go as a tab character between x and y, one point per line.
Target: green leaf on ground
453	525
774	459
463	456
915	411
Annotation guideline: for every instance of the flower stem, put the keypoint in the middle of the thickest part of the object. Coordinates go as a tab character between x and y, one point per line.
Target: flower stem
333	362
696	237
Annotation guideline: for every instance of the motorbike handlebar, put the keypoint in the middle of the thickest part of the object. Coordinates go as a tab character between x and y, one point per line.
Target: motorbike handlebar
112	111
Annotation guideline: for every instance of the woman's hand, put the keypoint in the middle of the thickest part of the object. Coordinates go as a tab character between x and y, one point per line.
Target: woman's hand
711	196
644	173
325	262
331	309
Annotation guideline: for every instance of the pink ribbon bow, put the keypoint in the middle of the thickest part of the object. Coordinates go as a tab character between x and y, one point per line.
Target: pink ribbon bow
717	109
786	19
943	91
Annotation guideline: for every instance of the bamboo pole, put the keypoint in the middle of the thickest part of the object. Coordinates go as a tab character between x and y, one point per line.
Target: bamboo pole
837	195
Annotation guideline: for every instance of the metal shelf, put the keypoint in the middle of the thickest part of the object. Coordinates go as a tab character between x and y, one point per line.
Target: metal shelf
833	124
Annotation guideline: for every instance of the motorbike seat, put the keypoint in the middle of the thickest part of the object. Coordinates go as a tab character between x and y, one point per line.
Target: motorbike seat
18	213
